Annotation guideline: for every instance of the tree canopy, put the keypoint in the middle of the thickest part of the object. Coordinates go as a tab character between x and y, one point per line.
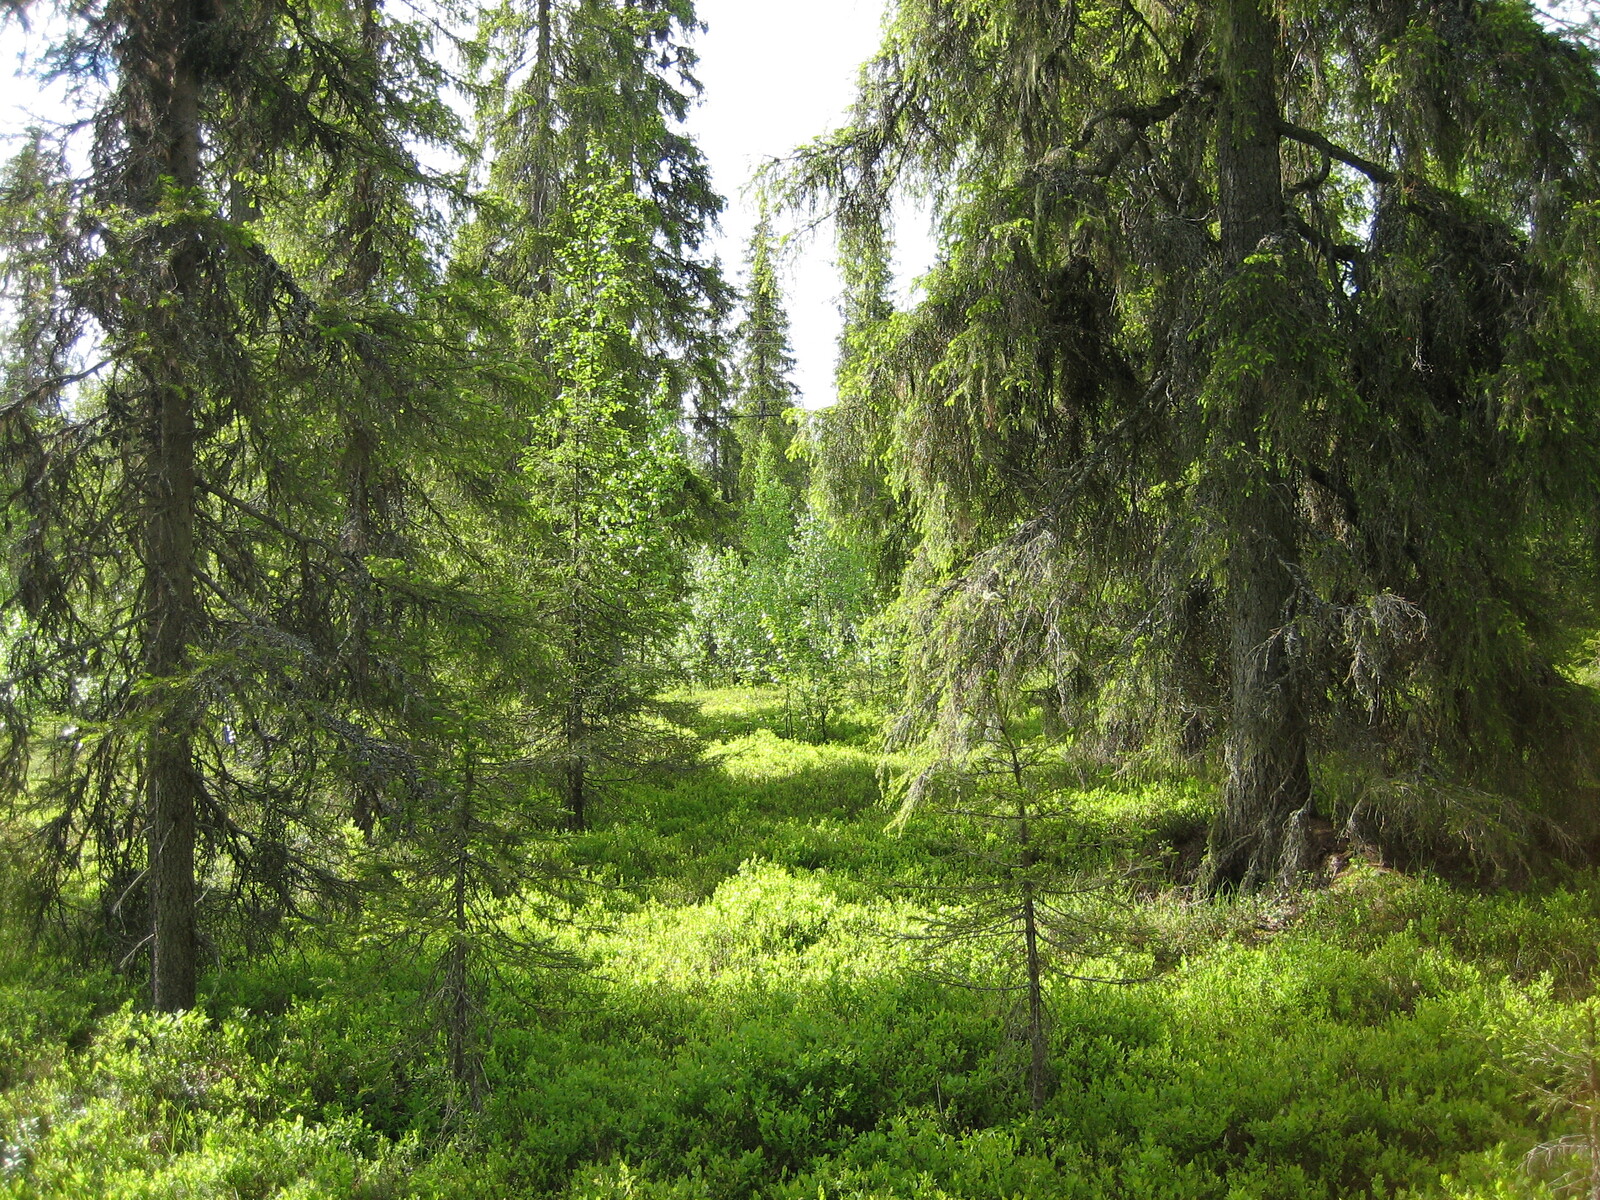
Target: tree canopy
1246	405
418	554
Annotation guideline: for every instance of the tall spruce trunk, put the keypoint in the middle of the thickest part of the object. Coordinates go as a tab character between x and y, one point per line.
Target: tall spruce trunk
575	788
1268	775
358	463
158	60
544	65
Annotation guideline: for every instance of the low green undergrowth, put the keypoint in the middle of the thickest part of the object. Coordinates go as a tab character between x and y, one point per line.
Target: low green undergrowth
761	1015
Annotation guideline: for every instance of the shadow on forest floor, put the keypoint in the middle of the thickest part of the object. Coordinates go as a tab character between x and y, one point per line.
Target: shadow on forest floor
760	1024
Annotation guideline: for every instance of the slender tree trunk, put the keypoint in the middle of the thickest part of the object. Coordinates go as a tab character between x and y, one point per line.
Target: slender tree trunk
356	534
164	132
1268	774
581	660
1038	1057
355	543
355	538
358	462
1038	1047
464	1066
542	184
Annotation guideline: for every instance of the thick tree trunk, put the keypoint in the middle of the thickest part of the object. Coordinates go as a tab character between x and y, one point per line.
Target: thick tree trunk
158	66
576	787
170	782
1268	778
1249	173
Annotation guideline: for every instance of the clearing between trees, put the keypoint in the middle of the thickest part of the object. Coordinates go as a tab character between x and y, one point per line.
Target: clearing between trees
759	1001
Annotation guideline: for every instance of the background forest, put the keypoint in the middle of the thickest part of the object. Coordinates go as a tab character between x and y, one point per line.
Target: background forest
466	729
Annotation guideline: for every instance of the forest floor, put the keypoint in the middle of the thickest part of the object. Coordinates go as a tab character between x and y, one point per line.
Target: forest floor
761	1012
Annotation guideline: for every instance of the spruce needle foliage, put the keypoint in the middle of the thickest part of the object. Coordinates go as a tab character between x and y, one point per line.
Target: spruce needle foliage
569	89
1254	364
766	403
1034	918
229	636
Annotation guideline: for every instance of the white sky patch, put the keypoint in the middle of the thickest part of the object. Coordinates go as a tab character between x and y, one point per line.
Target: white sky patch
777	75
25	101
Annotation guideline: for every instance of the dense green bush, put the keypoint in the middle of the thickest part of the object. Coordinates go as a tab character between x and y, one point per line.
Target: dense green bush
758	1019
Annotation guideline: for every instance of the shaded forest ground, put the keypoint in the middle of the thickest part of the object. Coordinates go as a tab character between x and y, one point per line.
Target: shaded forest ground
759	1018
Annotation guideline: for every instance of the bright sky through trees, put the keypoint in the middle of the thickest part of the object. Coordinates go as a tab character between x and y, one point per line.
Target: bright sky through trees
775	74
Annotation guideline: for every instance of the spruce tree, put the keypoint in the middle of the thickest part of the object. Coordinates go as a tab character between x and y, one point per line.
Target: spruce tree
597	208
1253	368
567	90
1036	919
766	397
187	702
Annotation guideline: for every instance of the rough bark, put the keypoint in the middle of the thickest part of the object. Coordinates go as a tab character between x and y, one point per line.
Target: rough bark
355	542
1268	774
358	469
539	201
575	785
360	442
1269	779
1249	173
158	62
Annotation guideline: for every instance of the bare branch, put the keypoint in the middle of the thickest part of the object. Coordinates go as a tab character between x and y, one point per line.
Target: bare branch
1309	137
1140	117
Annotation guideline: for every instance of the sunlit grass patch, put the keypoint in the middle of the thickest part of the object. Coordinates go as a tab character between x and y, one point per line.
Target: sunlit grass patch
760	1020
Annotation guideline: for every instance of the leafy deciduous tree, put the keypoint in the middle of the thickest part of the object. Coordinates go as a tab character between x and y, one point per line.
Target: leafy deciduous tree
607	472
